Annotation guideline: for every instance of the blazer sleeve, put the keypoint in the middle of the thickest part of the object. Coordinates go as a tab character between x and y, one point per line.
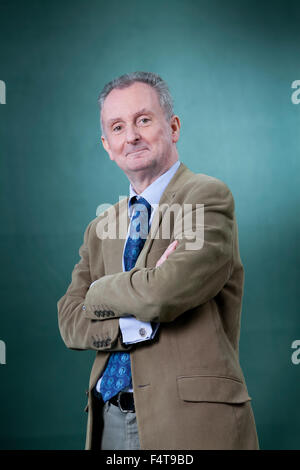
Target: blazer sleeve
188	278
78	331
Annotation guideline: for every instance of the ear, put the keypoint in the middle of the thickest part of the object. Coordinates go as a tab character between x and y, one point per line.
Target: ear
175	128
106	146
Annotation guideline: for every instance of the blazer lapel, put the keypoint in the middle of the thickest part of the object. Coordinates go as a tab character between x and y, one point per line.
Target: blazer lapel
113	247
167	199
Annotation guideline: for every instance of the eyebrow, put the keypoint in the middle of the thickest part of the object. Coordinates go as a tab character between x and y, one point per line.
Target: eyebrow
138	113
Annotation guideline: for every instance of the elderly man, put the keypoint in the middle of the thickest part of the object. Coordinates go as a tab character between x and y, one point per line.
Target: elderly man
158	291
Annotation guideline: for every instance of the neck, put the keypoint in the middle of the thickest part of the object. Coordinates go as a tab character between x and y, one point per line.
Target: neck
142	179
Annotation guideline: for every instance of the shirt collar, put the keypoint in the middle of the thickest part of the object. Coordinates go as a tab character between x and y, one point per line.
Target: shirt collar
155	190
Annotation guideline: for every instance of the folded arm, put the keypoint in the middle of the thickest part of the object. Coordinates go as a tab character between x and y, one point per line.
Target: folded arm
187	279
78	331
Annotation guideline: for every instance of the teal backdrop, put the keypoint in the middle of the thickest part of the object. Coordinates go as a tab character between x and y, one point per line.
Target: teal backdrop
230	66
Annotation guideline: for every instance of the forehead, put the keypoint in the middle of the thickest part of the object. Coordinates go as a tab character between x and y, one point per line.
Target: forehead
125	102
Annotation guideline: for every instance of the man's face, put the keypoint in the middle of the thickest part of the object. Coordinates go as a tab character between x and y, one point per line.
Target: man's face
137	135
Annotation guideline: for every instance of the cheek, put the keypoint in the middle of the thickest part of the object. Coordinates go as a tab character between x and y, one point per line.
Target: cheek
116	147
158	137
163	139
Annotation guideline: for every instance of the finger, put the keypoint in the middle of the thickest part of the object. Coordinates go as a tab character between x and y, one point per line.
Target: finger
161	260
168	251
171	247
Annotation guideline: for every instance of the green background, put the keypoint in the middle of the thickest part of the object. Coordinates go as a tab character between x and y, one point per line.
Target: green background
229	65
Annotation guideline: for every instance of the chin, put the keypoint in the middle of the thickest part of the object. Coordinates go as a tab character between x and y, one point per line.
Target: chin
139	164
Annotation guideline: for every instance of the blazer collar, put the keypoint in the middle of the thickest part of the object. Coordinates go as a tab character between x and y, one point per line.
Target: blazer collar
179	179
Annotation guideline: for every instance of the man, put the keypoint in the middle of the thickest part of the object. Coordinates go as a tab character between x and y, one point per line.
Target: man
160	304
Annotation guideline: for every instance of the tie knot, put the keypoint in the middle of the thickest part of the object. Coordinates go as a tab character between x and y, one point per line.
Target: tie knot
138	203
140	219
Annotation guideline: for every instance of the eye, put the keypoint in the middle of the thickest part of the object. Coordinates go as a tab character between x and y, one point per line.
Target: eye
117	128
144	120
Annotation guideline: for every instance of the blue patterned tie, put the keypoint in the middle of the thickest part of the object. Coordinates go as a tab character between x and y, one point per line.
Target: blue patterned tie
117	374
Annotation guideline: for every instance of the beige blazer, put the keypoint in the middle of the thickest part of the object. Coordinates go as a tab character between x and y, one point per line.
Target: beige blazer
189	389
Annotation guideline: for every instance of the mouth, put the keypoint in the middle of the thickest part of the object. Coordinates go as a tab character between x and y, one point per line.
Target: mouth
136	152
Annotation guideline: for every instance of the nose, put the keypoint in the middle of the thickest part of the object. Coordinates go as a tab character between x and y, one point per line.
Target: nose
132	134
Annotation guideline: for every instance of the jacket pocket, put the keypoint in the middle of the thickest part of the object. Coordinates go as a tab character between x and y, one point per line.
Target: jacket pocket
215	389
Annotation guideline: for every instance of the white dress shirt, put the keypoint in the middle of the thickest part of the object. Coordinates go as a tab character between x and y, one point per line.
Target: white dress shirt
133	330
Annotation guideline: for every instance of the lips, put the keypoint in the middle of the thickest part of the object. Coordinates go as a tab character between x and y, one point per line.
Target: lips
136	151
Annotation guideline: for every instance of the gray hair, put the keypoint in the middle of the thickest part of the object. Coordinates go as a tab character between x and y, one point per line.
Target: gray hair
152	79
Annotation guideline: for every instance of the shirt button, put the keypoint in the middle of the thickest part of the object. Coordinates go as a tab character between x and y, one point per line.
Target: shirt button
142	332
83	307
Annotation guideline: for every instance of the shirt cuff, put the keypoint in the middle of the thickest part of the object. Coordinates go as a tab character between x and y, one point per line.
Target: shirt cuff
93	283
134	331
